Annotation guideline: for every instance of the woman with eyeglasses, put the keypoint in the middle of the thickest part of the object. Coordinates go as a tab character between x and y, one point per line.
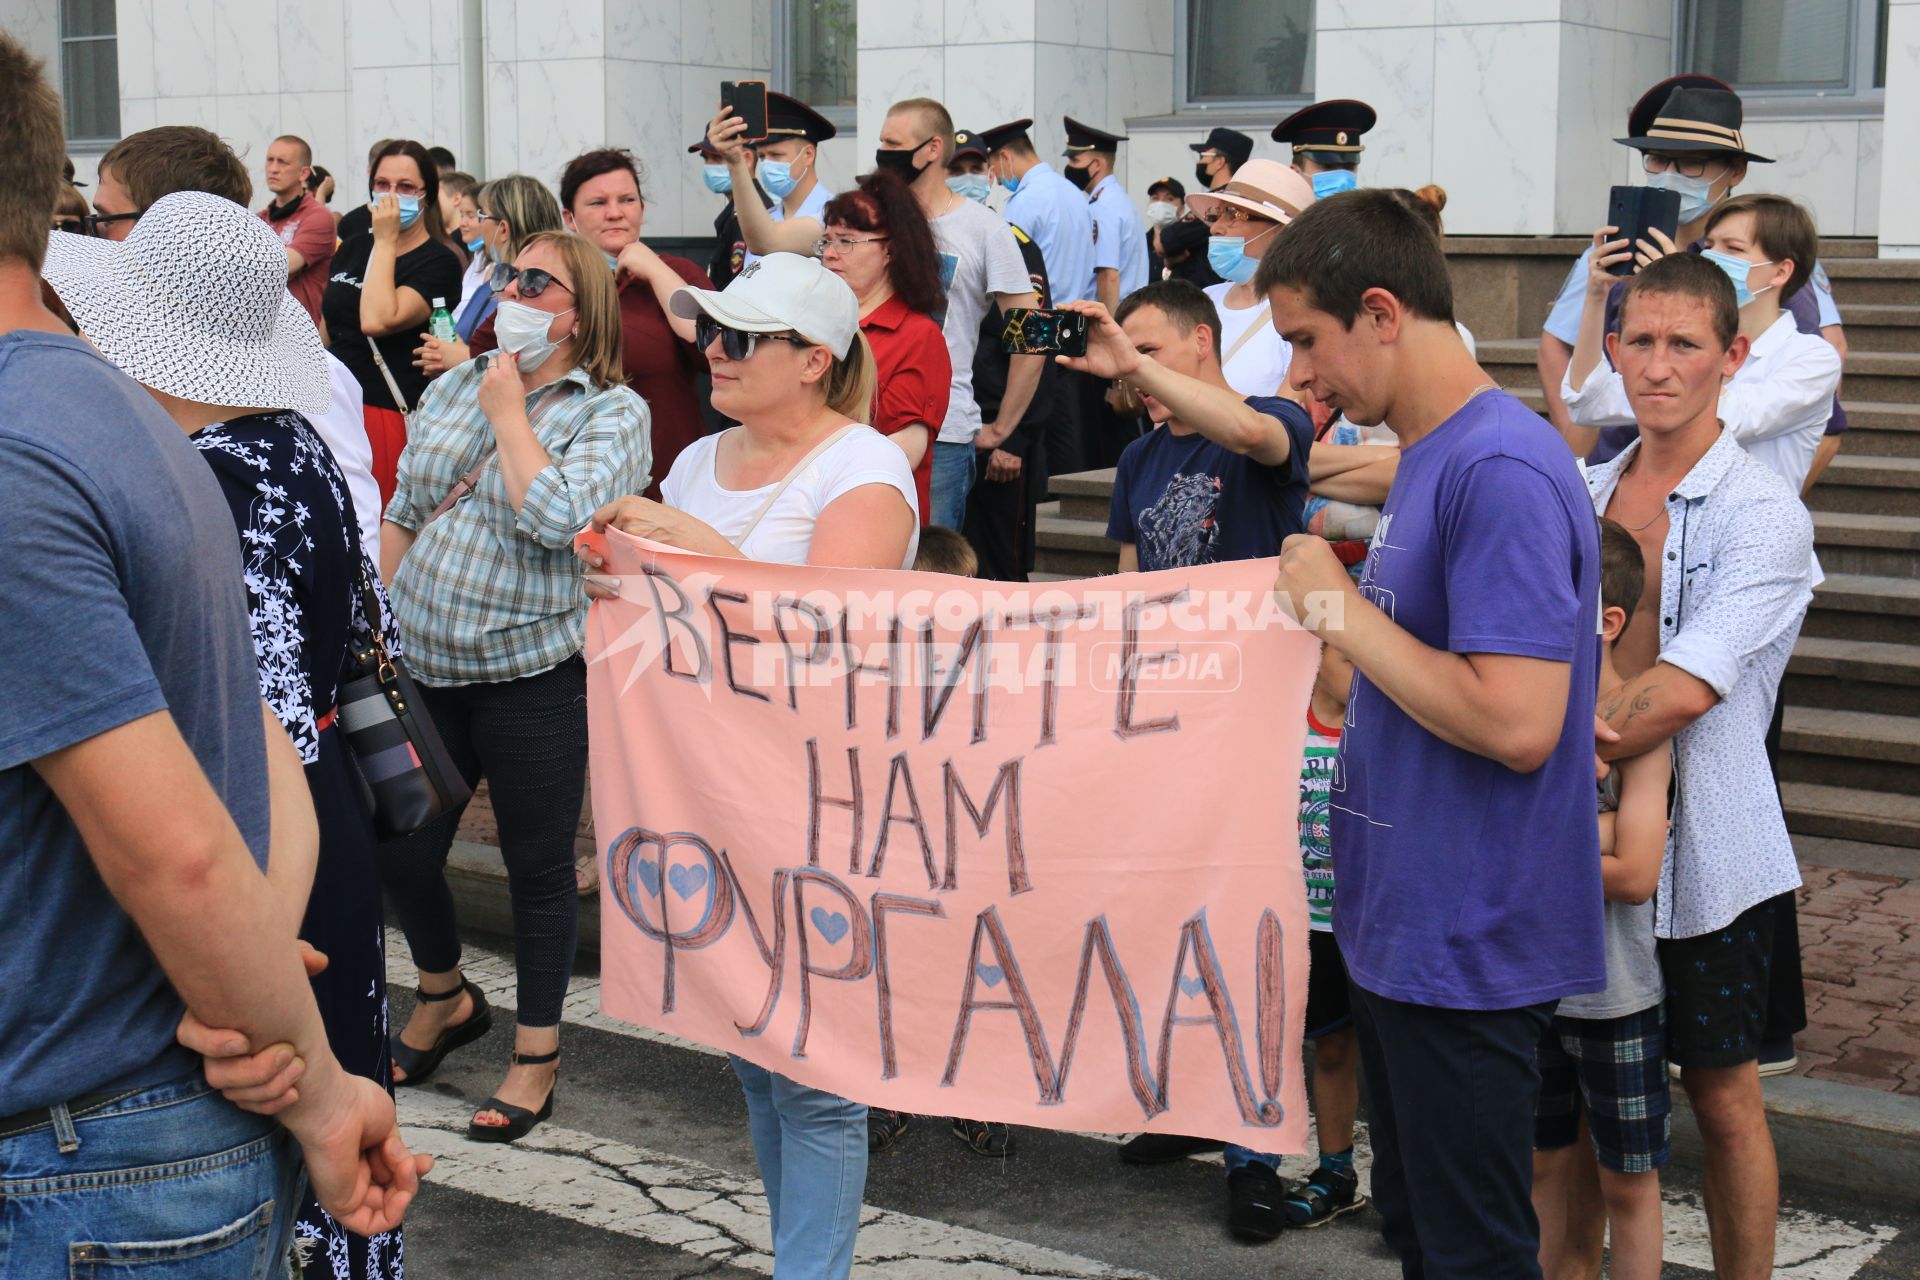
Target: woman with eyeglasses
511	454
381	295
878	240
601	199
801	480
508	212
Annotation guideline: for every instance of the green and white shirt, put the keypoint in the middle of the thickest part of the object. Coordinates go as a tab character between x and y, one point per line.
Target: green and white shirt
1316	820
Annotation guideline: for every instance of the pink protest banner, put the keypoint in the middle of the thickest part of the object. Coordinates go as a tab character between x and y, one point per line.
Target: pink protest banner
1014	853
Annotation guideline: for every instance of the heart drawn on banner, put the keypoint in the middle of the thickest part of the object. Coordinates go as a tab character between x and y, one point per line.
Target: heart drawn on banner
687	881
831	924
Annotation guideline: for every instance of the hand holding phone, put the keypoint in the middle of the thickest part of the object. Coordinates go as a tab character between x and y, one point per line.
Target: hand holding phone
748	100
1044	331
1637	212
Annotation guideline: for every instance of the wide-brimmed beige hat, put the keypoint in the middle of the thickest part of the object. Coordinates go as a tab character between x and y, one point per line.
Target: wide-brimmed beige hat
194	303
1265	188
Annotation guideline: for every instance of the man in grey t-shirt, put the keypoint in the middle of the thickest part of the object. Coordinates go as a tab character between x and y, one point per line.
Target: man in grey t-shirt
139	765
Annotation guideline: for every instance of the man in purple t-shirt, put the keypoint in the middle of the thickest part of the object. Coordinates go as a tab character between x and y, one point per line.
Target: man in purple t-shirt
1462	798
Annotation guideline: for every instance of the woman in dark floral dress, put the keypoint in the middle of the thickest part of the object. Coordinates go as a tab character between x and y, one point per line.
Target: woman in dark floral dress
301	562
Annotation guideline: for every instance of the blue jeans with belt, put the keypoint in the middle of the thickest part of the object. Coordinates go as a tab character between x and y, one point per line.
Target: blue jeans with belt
812	1149
164	1183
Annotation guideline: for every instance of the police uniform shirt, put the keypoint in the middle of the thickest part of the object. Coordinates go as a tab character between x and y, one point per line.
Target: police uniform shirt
1119	237
1055	214
814	206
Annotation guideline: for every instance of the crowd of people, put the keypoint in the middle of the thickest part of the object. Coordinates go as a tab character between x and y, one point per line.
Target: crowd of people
250	457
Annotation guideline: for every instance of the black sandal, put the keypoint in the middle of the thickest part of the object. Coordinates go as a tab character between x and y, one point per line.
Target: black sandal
421	1063
987	1138
520	1121
1328	1194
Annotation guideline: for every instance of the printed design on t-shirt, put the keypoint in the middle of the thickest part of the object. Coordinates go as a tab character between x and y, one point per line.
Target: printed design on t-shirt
949	267
1316	828
1183	526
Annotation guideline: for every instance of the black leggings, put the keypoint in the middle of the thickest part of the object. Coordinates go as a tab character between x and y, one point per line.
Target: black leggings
528	739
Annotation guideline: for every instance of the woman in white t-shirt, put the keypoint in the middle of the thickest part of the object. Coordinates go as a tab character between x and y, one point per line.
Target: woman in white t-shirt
1244	216
802	480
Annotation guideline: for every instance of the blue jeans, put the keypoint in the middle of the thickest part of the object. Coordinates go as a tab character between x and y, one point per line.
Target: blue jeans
812	1149
1241	1157
167	1183
952	480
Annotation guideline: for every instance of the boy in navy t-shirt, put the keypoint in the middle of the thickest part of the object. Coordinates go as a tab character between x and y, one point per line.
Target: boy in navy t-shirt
1227	478
1470	888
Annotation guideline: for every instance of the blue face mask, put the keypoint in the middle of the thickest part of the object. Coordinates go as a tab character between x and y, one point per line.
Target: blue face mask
476	244
1333	182
409	210
974	186
1695	193
777	177
1011	182
718	177
1738	270
1227	256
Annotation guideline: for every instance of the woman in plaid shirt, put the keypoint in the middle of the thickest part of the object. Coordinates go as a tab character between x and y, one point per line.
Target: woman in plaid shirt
527	442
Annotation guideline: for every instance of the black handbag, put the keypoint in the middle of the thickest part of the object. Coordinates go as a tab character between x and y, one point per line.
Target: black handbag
405	771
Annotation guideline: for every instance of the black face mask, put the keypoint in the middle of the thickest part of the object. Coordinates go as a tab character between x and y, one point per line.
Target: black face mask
1080	178
1200	172
900	160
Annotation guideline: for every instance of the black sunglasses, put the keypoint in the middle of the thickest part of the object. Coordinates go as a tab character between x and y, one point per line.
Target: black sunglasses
92	223
533	281
736	344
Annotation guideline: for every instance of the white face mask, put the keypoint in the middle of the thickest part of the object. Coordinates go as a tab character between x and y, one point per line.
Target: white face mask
1160	213
522	331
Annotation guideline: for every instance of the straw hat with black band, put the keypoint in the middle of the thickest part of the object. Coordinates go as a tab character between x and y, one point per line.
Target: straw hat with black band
1264	188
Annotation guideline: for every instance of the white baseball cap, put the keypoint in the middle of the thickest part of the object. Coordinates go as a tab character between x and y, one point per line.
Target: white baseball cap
777	293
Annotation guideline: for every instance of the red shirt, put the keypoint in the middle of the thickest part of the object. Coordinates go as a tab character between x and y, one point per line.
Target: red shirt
308	231
915	379
661	369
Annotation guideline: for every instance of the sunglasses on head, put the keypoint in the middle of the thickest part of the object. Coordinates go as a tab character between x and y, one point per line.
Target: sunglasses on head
533	281
736	344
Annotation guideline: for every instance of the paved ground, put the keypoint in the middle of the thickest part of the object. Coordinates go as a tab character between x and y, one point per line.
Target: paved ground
646	1171
1860	943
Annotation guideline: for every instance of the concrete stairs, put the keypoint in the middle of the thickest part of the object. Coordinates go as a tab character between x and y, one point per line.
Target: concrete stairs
1850	765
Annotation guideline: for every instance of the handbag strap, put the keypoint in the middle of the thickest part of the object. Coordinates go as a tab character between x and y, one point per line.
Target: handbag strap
1246	335
399	400
465	485
791	476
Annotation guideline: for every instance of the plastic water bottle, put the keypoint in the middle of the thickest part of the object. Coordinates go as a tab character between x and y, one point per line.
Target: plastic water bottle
440	323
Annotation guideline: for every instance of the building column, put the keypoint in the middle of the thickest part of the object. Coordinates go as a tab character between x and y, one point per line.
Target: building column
1900	183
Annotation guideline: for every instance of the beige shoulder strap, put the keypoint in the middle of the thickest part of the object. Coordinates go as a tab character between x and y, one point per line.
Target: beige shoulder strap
791	476
1246	335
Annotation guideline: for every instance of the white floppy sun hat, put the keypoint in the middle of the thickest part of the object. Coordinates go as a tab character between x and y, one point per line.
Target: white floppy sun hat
194	303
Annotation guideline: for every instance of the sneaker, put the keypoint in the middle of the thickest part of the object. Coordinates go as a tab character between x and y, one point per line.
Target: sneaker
984	1137
1255	1202
1330	1193
1777	1057
1165	1148
884	1128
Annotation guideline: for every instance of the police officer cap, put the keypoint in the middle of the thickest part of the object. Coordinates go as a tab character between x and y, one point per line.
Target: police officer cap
968	143
1237	147
1335	125
1084	137
792	118
1001	134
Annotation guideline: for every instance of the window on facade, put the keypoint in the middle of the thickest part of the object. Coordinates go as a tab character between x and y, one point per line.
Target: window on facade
1248	50
820	53
1791	46
89	70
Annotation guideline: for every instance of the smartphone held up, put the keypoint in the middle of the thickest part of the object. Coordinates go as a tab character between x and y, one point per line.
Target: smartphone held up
1044	331
748	100
1638	211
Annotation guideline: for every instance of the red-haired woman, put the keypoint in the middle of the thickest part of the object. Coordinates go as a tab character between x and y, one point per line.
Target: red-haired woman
878	241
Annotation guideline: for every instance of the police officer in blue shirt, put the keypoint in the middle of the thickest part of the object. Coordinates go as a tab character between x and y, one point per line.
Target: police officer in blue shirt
1325	138
1705	175
785	164
1119	236
1040	202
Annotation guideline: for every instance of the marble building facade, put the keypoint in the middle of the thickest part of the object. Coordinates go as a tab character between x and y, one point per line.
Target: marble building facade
1511	105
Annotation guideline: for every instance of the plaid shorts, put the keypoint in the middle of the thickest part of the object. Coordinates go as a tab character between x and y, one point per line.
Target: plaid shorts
1615	1069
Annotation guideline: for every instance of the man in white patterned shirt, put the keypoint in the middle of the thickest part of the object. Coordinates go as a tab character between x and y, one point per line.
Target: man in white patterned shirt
1728	547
